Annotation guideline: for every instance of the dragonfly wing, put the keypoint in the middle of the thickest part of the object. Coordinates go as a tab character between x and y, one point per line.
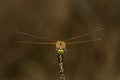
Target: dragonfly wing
34	36
29	42
88	41
87	34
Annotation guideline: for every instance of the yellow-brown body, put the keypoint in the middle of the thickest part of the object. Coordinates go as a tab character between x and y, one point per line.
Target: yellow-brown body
60	47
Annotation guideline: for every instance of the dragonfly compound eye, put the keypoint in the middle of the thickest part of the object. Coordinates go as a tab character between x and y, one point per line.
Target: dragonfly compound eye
60	47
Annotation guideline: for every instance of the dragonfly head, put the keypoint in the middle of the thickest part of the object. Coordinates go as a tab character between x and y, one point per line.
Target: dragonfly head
60	47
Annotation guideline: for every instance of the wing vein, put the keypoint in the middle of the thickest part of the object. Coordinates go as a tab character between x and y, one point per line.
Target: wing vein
30	42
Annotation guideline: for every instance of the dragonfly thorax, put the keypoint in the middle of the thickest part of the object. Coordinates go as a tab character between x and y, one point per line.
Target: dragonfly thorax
60	47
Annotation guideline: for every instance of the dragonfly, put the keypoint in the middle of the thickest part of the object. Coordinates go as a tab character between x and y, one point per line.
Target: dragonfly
60	45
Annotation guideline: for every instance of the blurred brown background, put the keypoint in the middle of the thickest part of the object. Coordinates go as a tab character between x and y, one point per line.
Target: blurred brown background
59	20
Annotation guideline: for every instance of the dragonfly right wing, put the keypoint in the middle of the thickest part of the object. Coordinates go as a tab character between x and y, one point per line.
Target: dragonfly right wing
87	34
87	41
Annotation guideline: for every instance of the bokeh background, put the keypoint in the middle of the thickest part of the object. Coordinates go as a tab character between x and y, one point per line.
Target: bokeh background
59	20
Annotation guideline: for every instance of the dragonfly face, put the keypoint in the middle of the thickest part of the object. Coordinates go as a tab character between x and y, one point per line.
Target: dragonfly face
60	47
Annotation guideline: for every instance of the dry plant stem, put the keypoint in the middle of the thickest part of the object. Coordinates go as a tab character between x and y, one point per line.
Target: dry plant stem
61	65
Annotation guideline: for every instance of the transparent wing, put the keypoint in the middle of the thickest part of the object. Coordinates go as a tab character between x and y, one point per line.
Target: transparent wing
30	42
87	34
87	41
34	36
